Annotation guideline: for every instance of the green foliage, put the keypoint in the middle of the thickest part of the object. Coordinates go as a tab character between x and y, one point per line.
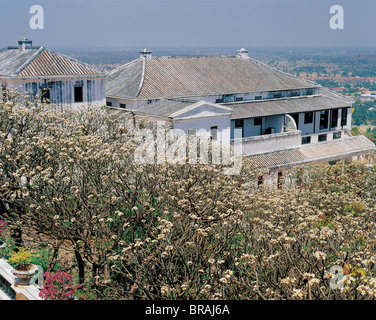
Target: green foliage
43	257
362	114
355	209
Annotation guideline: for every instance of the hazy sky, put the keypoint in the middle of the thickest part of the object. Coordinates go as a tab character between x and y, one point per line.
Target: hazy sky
188	23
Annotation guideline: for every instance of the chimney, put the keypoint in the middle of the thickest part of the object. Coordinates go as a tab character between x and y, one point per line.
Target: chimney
242	53
24	44
146	54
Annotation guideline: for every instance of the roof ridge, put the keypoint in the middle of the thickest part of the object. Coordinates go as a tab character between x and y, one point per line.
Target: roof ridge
30	60
337	94
120	68
142	77
282	72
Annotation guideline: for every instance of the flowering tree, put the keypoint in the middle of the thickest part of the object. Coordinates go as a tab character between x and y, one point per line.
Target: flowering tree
181	231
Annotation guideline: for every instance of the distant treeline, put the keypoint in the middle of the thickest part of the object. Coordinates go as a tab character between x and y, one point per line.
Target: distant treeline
362	114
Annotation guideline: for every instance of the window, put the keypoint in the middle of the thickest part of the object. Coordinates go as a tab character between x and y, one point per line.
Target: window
324	117
78	94
239	99
306	140
219	101
337	135
334	119
308	117
122	105
280	180
239	123
239	128
258	98
322	137
260	181
344	117
309	92
257	121
277	95
214	133
45	96
109	104
150	101
294	94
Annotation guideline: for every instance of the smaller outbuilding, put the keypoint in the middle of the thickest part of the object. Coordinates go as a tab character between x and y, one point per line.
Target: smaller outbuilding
54	77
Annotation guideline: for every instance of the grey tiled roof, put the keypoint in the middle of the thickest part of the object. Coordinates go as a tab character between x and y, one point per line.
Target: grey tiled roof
250	109
268	107
125	81
163	108
12	59
41	62
323	151
168	108
190	77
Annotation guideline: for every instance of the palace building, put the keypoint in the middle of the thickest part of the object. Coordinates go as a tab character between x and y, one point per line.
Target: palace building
281	120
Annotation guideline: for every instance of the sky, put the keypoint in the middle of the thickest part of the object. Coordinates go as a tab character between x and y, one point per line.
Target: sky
128	24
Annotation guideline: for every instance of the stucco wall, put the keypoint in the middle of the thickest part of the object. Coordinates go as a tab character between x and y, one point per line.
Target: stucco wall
204	124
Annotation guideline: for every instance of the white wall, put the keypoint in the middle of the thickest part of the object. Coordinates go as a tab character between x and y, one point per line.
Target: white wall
221	121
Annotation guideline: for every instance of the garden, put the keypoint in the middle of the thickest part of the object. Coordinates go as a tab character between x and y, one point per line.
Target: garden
73	201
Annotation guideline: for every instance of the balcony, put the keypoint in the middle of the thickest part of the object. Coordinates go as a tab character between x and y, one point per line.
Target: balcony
270	142
10	290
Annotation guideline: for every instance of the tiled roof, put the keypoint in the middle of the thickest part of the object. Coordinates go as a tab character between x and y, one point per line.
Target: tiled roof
41	62
189	77
163	108
49	63
12	59
323	151
125	81
166	108
251	109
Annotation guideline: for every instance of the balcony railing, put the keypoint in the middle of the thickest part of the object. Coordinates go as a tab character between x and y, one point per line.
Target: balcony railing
9	290
270	142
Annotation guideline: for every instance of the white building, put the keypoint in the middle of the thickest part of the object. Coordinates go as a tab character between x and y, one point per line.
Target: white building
54	77
280	119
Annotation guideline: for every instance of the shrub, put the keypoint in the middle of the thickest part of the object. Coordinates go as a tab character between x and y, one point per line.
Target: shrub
22	256
58	286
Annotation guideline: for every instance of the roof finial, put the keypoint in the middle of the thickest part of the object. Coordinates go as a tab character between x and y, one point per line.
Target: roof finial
243	53
145	53
24	43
